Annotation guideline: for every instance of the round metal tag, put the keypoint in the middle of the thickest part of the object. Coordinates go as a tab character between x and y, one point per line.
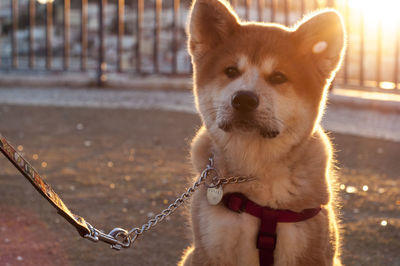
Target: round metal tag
214	195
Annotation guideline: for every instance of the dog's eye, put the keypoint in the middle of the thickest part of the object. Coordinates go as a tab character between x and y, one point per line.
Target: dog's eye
232	72
277	78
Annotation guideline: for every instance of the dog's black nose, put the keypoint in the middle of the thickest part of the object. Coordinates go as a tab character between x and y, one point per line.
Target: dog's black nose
244	101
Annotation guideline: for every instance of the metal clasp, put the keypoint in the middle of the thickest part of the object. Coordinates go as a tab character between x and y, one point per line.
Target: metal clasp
111	238
211	170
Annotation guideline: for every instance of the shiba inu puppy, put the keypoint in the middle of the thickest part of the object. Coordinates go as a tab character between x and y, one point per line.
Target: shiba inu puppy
260	90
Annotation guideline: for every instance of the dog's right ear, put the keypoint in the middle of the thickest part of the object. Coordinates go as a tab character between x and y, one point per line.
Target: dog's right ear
322	37
210	22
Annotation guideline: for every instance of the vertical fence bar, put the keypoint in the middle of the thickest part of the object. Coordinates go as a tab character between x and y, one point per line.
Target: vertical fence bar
175	41
286	11
316	4
302	7
120	21
273	9
14	29
84	34
379	54
157	8
139	29
49	34
260	7
346	56
330	3
234	3
32	14
1	33
396	58
102	66
247	8
361	62
67	6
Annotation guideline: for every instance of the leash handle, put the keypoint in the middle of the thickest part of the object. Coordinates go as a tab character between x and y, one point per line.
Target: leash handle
84	228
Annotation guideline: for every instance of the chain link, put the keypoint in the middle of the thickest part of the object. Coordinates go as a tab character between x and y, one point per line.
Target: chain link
229	180
217	180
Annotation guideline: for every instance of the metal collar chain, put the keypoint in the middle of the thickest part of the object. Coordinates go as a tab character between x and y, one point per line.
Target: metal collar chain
118	238
216	180
135	232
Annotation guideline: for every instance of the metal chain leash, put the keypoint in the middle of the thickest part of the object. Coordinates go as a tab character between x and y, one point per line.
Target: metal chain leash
135	232
118	237
128	238
216	181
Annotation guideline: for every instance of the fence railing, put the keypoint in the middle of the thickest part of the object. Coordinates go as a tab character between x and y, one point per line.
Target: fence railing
144	37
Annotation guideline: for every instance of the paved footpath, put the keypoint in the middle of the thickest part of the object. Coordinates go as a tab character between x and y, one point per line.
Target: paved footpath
338	118
122	163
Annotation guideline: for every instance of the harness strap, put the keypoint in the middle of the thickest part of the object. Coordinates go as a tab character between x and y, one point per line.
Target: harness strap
266	240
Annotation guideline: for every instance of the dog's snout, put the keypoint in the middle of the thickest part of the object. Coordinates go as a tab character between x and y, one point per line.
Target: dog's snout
244	101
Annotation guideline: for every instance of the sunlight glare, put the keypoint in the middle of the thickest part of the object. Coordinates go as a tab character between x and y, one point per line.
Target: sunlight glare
45	1
351	189
387	85
386	11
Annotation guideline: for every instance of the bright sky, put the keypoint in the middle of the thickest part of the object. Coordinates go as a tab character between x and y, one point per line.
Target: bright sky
388	11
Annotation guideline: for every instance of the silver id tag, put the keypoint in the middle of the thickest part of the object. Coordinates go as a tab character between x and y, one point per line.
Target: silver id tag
214	195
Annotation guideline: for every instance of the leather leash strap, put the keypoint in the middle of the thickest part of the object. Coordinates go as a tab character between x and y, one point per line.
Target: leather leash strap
266	241
118	238
44	189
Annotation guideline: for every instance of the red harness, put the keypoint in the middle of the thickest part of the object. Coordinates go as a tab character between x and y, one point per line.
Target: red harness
266	240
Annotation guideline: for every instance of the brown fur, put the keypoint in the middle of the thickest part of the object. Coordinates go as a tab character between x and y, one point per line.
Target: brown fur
293	170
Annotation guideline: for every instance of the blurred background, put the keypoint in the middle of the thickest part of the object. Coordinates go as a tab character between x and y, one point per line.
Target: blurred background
96	94
137	37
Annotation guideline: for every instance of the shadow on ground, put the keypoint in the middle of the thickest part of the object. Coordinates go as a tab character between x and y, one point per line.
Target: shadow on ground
116	168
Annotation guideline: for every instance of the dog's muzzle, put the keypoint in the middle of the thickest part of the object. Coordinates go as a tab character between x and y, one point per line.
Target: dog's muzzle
244	104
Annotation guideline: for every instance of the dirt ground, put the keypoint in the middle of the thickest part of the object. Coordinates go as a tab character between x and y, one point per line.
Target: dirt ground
118	167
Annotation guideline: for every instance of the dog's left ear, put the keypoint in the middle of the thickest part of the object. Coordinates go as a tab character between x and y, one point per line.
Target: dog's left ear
210	22
322	37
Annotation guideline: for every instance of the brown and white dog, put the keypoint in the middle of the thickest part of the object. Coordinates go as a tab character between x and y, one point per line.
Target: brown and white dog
260	89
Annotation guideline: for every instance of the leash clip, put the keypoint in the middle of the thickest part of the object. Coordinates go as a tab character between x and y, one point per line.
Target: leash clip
110	238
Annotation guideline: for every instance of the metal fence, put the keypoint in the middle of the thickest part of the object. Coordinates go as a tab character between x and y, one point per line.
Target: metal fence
139	37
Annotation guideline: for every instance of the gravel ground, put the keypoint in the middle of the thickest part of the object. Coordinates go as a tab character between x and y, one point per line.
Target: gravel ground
116	167
341	116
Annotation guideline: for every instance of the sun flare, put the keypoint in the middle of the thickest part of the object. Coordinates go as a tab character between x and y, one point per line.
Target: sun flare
384	11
